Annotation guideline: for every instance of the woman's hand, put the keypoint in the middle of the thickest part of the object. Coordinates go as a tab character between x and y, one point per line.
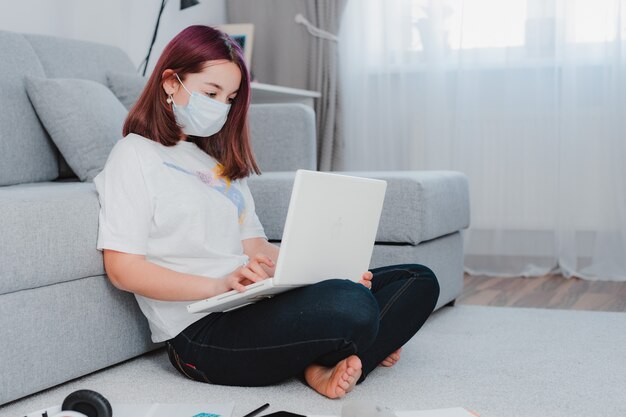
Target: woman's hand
259	245
366	280
248	274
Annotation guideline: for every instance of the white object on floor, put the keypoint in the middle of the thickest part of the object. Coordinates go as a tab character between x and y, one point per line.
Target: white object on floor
443	412
366	409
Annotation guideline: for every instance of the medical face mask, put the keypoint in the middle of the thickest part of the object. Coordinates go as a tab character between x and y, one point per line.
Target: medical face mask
202	116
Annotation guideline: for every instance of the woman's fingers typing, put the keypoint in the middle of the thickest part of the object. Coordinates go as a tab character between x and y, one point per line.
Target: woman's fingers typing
250	273
238	286
255	267
253	272
264	259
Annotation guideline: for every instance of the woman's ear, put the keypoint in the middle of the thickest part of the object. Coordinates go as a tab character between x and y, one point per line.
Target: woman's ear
170	83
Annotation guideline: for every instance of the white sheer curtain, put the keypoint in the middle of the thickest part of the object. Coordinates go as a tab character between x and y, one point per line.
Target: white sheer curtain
527	97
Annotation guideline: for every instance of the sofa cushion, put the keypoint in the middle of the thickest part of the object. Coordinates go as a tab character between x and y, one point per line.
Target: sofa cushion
49	233
83	118
127	87
283	136
419	205
70	58
26	152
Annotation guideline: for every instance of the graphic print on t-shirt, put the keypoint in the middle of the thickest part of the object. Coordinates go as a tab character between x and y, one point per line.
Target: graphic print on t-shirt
219	183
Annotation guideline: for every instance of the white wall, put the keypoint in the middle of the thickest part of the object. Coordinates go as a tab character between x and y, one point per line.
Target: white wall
127	24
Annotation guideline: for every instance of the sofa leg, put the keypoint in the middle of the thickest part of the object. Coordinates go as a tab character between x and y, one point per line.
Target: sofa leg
451	303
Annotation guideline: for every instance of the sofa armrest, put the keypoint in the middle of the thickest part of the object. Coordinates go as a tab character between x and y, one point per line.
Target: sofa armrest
419	205
283	136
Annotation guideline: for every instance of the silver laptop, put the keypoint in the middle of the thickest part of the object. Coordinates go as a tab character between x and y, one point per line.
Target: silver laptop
329	232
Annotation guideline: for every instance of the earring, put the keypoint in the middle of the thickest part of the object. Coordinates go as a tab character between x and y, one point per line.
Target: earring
169	100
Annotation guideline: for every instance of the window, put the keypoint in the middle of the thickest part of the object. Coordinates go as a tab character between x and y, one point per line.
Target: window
483	24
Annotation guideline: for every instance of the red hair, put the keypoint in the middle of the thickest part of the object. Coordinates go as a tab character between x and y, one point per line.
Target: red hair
152	117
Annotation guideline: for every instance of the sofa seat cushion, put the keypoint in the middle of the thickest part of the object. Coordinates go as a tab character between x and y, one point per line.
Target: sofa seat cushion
49	233
419	205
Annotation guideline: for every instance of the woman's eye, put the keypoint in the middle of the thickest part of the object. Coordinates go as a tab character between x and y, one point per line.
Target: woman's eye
231	99
212	95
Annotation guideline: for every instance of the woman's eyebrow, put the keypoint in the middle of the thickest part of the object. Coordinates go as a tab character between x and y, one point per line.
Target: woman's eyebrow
219	87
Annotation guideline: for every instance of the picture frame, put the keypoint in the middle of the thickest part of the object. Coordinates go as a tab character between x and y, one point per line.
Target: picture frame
243	34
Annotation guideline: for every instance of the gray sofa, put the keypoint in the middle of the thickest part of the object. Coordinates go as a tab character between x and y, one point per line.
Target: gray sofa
60	317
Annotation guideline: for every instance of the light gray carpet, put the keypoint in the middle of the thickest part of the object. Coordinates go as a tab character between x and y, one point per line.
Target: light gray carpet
499	362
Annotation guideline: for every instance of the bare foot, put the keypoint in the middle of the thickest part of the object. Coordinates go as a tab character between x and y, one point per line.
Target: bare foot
337	381
392	359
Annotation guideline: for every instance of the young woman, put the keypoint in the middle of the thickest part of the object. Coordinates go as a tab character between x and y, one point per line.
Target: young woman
178	224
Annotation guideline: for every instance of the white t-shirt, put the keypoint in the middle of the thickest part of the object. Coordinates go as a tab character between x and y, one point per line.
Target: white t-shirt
169	204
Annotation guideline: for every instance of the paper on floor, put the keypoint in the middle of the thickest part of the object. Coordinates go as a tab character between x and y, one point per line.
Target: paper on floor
443	412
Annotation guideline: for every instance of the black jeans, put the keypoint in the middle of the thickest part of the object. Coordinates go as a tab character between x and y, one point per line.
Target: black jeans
275	339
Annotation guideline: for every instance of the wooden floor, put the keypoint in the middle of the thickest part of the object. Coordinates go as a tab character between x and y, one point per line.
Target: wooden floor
550	291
